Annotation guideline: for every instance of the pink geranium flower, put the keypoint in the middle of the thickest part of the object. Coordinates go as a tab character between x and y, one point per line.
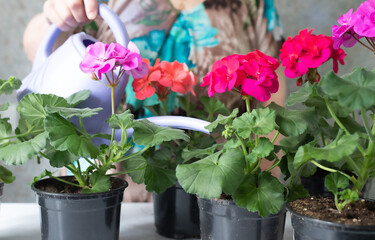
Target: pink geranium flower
363	19
144	86
253	74
98	59
316	50
289	56
343	35
223	76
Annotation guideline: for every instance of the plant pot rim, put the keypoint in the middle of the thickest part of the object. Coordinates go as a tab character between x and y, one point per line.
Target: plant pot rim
77	196
329	224
229	202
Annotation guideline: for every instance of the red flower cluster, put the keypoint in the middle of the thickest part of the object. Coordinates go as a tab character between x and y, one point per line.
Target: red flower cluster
253	74
163	77
308	51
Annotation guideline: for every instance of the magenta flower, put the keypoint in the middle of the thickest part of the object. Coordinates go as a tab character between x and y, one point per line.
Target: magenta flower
133	63
315	51
364	19
289	56
223	76
342	35
98	59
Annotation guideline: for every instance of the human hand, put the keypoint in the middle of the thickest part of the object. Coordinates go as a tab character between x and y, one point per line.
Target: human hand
185	4
68	14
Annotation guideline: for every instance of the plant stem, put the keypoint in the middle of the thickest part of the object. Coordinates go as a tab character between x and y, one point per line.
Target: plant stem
365	123
67	182
247	101
330	169
164	107
367	162
342	125
361	42
133	155
275	137
82	125
91	163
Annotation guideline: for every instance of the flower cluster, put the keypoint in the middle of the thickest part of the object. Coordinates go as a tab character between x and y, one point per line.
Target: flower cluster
162	78
252	74
102	58
356	25
305	52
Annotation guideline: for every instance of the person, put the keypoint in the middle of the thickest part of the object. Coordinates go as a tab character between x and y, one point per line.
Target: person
196	32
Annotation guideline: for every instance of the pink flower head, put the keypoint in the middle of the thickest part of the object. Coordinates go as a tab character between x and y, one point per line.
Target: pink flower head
223	76
316	50
289	56
254	74
133	63
364	19
342	35
337	55
178	77
98	59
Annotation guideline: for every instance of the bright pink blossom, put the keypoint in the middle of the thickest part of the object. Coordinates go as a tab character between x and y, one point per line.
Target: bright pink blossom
289	56
253	74
343	35
98	59
364	19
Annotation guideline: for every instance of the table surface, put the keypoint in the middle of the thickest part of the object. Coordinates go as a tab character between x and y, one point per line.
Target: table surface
21	221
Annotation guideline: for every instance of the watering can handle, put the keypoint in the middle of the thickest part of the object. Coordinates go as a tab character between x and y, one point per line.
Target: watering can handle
179	122
111	18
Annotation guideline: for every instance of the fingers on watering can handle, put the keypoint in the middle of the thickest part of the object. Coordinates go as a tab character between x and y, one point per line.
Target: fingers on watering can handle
179	122
110	17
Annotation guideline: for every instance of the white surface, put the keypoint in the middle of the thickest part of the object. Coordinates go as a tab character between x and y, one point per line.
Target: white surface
21	221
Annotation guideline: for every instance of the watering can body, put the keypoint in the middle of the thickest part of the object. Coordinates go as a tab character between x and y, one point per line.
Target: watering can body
58	72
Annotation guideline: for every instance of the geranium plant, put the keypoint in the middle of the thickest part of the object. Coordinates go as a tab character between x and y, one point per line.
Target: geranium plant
45	129
231	168
164	78
6	87
343	144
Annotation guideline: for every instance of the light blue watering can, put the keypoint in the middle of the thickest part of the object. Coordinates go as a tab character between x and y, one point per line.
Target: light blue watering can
59	73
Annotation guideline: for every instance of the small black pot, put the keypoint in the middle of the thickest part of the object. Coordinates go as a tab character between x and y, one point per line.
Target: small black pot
223	220
176	213
306	228
80	216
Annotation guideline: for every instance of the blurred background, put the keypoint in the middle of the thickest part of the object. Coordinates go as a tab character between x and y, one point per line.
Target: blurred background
295	15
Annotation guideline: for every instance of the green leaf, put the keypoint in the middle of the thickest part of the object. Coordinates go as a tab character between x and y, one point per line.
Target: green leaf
99	183
7	86
6	176
5	130
296	191
60	159
260	121
147	133
335	151
124	120
136	167
32	107
71	112
44	174
293	122
19	153
197	153
78	97
63	136
264	148
335	181
222	120
301	95
349	195
355	90
158	179
212	175
263	194
213	106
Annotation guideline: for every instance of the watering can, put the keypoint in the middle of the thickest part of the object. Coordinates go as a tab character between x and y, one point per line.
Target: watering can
58	73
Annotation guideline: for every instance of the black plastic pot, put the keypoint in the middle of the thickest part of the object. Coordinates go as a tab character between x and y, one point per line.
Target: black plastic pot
306	228
223	220
176	213
94	216
1	190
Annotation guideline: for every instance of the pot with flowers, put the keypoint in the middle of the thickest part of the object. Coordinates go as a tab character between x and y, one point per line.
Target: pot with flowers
86	205
236	199
176	212
345	148
6	87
